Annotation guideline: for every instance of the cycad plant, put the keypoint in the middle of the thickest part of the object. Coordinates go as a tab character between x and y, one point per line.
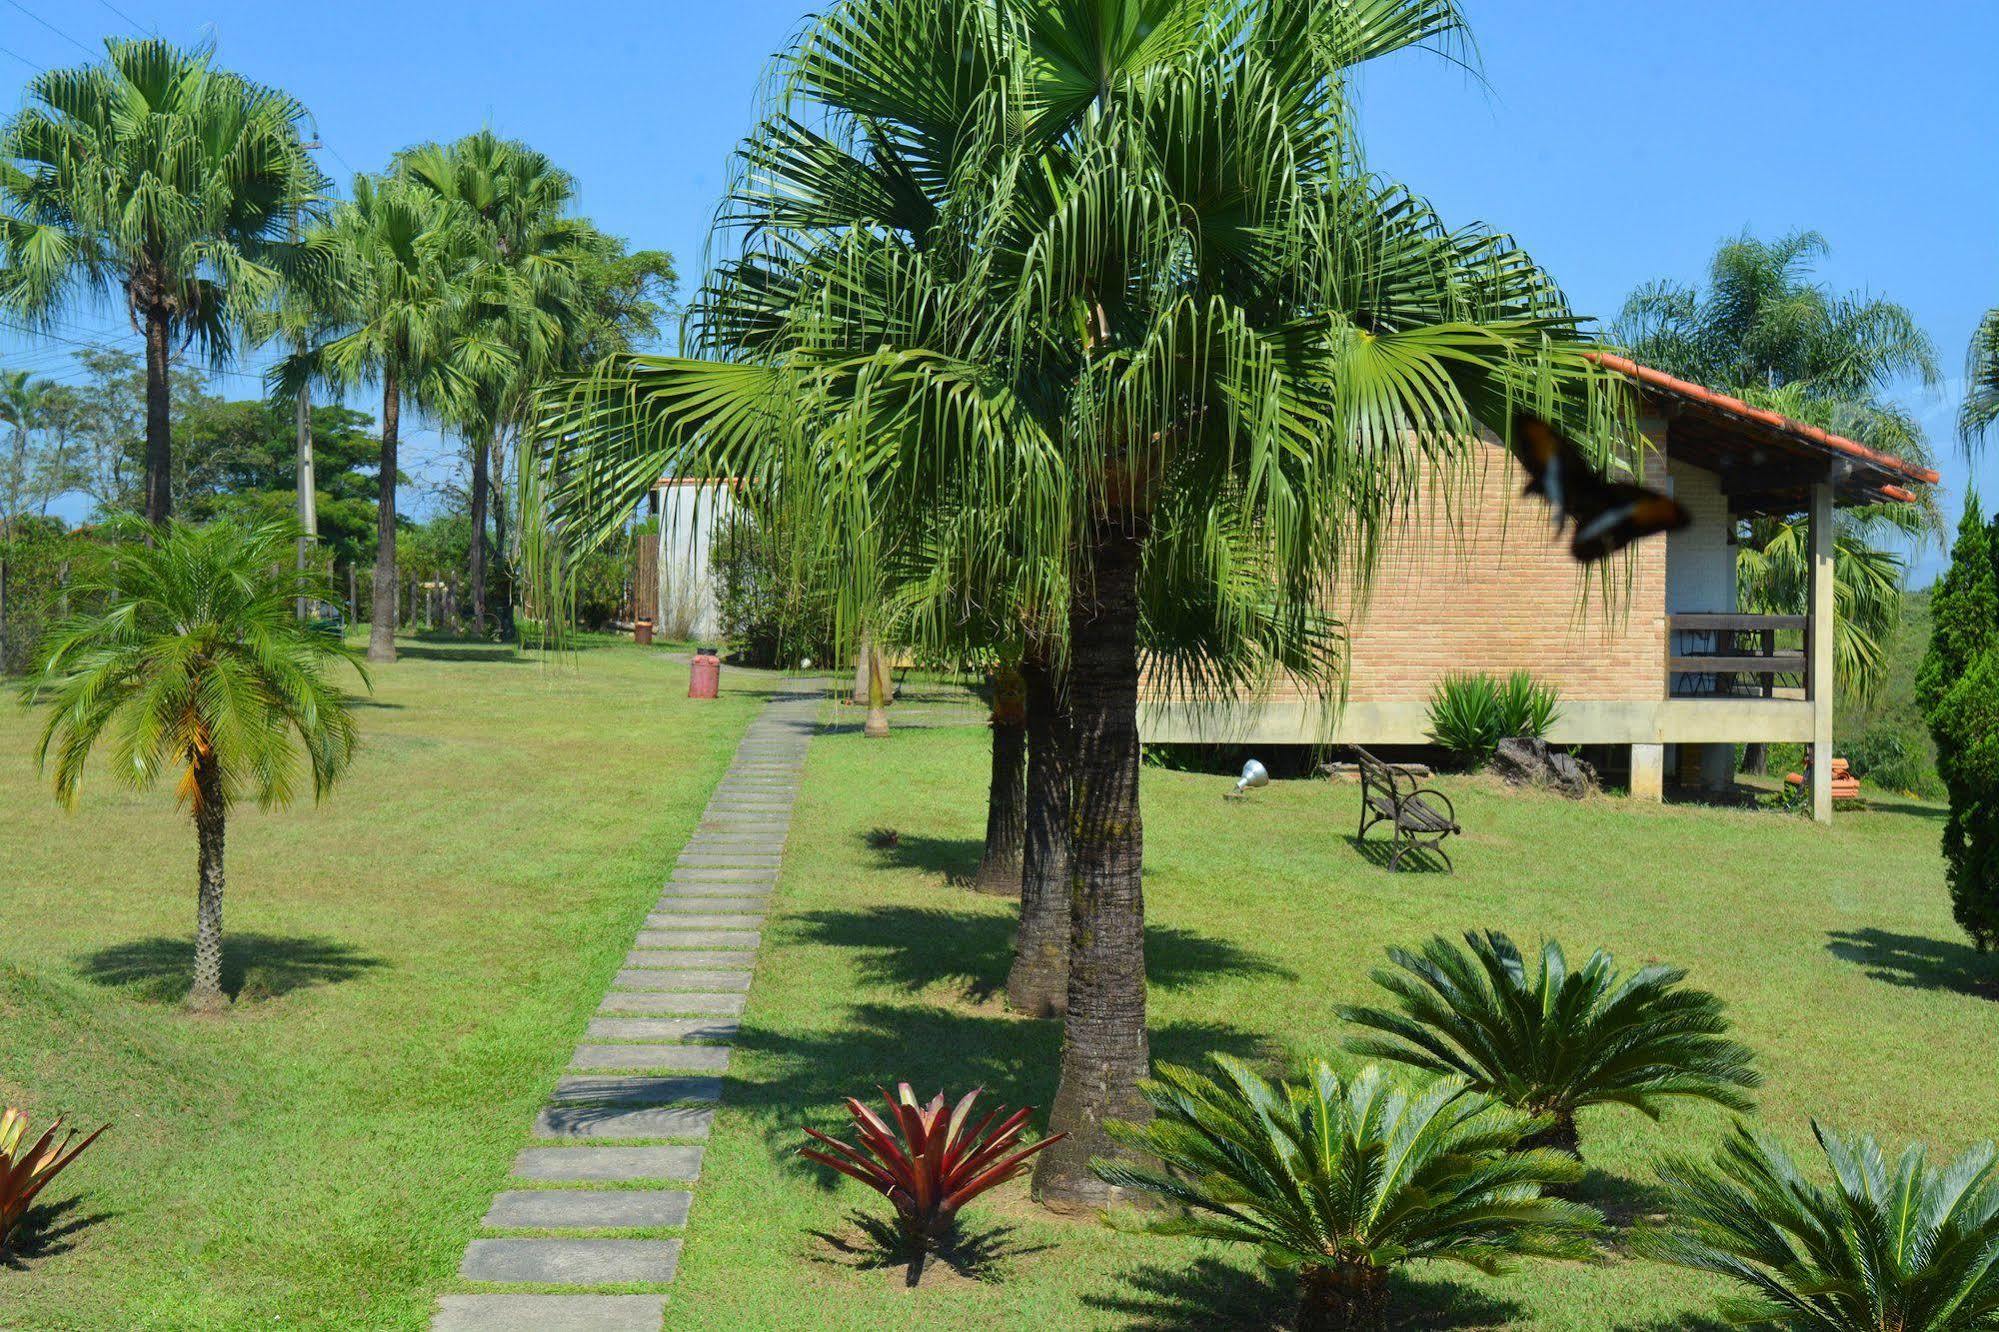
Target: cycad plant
193	666
1550	1041
1343	1180
1094	271
1880	1247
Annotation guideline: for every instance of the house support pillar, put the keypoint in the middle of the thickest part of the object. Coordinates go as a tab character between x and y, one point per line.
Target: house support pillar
1819	638
1648	772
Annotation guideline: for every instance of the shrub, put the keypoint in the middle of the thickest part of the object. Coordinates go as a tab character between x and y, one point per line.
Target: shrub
1895	757
1343	1180
773	608
1955	686
23	1175
927	1165
1547	1040
1903	1249
1471	713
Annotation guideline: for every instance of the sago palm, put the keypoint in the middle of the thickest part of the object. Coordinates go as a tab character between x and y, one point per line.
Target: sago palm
165	179
1342	1181
1548	1040
194	667
1086	268
1878	1247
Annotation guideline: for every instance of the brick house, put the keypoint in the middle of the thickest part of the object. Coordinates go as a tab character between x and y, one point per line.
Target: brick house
1651	656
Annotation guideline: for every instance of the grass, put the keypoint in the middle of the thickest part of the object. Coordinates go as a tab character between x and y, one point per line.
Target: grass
412	962
1834	949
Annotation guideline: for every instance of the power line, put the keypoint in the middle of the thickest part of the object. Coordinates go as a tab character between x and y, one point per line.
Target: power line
122	14
53	28
24	60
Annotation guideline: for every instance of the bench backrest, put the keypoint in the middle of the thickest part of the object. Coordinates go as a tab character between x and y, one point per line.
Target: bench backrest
1378	775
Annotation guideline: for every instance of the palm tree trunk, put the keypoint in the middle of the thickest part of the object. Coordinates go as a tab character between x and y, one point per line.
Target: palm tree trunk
206	994
159	428
481	453
1756	758
308	503
1560	1136
1006	819
863	663
1038	984
1348	1297
876	726
382	627
1104	1049
496	500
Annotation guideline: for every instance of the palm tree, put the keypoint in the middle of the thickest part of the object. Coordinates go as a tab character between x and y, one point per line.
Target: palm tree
1550	1041
409	277
196	668
1904	1248
1343	1181
1981	380
1766	332
1092	270
176	181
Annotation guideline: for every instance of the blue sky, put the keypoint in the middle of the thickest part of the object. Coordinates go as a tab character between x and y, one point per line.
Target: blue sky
1618	141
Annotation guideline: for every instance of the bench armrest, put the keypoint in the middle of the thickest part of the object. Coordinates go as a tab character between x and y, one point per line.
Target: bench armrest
1450	810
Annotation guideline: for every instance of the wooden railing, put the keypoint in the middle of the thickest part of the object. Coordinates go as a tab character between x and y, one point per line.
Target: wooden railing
1735	655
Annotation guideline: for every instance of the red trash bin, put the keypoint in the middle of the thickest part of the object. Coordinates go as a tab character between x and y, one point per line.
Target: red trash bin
705	679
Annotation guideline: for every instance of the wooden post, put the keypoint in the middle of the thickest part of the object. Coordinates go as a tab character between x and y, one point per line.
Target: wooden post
1818	649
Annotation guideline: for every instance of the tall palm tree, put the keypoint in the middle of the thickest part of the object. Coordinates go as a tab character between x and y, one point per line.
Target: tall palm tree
1765	331
408	269
1093	270
196	668
1981	380
174	181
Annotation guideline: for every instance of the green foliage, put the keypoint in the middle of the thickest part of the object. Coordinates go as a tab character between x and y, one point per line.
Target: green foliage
1548	1040
1902	1248
774	608
1342	1180
25	1173
191	653
40	564
1470	713
1958	686
1981	380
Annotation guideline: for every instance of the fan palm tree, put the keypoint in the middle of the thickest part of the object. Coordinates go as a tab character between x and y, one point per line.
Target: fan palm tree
1342	1181
195	667
174	181
409	276
1550	1041
1089	269
1766	332
1904	1248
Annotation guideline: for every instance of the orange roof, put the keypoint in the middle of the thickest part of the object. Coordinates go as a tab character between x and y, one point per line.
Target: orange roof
1809	435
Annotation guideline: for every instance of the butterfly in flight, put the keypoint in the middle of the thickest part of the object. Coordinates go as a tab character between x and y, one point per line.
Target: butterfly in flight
1609	515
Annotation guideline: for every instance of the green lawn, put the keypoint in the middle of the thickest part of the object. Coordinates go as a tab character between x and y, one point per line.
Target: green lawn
416	958
1834	949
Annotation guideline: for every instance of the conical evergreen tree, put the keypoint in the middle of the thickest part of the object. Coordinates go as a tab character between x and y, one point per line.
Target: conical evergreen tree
1958	686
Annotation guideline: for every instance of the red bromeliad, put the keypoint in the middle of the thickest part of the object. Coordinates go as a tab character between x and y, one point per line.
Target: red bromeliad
925	1164
24	1174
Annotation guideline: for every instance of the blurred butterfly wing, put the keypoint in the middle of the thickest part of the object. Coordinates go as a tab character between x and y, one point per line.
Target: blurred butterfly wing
1629	513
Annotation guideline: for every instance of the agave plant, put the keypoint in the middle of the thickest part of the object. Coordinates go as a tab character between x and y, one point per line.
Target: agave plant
1343	1180
1907	1248
928	1165
23	1175
1549	1041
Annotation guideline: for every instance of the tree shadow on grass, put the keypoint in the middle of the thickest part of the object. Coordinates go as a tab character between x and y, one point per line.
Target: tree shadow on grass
499	654
933	1048
46	1230
956	858
1211	1294
1918	962
254	966
914	948
1908	809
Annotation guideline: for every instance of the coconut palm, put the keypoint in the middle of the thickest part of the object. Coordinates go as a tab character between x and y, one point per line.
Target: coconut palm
1981	380
409	276
1550	1041
1089	269
194	667
158	174
1766	332
1907	1247
1342	1181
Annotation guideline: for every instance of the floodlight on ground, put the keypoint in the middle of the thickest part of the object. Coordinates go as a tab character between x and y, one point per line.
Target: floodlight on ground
1254	774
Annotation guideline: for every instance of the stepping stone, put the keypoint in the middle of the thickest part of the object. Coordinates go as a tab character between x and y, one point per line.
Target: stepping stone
747	844
571	1262
549	1313
658	979
720	959
689	1005
757	890
671	904
750	878
573	1090
652	1058
696	1029
608	1164
587	1209
614	1122
698	939
681	920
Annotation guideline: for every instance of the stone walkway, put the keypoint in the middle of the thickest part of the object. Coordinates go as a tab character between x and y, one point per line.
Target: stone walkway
618	1142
